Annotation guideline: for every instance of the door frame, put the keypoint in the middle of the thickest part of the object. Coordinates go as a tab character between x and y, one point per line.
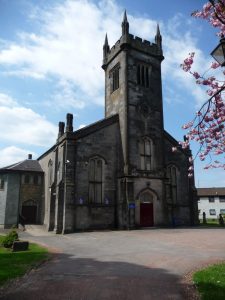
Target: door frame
153	197
30	203
150	221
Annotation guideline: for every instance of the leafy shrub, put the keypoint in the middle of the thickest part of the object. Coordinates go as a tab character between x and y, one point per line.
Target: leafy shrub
10	238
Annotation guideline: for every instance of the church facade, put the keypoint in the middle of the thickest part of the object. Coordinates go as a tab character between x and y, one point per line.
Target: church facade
120	172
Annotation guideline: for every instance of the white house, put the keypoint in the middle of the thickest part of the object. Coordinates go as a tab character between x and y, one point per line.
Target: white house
211	201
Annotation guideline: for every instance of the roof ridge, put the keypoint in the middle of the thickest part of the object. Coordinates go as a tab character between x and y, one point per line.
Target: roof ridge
15	165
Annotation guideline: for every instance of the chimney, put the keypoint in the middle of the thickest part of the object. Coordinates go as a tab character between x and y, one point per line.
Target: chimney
69	123
29	156
61	129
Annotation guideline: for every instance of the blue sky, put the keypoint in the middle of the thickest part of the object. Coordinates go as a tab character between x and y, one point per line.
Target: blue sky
50	64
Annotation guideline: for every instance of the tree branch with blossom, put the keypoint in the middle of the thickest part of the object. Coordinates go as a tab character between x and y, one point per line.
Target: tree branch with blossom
207	127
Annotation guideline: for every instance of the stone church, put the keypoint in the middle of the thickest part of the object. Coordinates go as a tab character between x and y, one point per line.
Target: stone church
119	172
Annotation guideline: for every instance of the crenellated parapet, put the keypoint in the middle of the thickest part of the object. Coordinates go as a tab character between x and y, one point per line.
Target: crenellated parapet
128	40
135	42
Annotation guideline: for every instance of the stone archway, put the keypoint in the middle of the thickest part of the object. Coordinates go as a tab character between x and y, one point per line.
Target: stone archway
29	211
146	209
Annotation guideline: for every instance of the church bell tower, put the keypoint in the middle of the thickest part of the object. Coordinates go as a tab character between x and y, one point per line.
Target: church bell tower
133	90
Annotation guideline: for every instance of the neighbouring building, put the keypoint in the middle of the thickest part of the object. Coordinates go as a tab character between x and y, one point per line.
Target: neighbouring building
119	172
21	192
211	201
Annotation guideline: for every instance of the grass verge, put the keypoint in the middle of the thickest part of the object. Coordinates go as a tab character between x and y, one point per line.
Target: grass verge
210	282
211	223
15	264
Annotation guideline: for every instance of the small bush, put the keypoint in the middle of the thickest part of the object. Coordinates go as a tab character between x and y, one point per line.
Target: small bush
10	238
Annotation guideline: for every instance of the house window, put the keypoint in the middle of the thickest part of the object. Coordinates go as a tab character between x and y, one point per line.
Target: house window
211	199
172	186
2	183
35	179
222	198
115	78
212	212
145	146
143	75
222	211
96	180
27	179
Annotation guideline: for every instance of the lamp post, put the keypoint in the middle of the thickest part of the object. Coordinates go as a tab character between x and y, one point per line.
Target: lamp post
219	52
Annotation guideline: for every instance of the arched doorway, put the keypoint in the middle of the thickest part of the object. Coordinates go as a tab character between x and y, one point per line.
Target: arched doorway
29	211
146	209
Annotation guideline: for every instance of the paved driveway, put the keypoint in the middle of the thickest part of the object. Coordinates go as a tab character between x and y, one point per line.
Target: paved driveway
119	265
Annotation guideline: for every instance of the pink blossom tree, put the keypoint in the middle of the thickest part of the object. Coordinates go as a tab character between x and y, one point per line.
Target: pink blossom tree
208	126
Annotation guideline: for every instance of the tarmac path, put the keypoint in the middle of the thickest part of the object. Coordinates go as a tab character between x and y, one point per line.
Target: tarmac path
118	265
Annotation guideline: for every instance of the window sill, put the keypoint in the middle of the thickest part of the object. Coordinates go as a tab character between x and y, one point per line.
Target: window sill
95	205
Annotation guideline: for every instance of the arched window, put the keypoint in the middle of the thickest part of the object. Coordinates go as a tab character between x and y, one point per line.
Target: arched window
114	75
50	173
96	165
138	74
146	154
146	77
59	169
172	186
146	197
30	202
143	75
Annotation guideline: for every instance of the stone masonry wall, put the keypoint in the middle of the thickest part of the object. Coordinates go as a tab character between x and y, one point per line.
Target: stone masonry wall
3	197
104	143
31	191
145	112
180	160
12	202
48	205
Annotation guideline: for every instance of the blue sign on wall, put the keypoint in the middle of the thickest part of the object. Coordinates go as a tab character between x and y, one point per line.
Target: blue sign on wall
131	205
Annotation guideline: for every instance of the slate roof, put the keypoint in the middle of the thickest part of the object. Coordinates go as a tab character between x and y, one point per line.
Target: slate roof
25	165
96	126
89	129
215	191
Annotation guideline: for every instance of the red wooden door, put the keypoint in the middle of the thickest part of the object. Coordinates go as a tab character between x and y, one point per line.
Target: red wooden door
146	214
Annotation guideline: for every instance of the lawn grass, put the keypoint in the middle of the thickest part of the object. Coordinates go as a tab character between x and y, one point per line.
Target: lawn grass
15	264
210	282
211	223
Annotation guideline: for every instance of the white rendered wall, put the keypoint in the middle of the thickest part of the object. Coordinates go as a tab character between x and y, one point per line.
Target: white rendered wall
204	206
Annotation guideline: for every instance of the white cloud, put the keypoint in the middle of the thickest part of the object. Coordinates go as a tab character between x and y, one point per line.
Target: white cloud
13	154
66	96
6	100
24	73
142	27
81	126
22	125
175	51
69	47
